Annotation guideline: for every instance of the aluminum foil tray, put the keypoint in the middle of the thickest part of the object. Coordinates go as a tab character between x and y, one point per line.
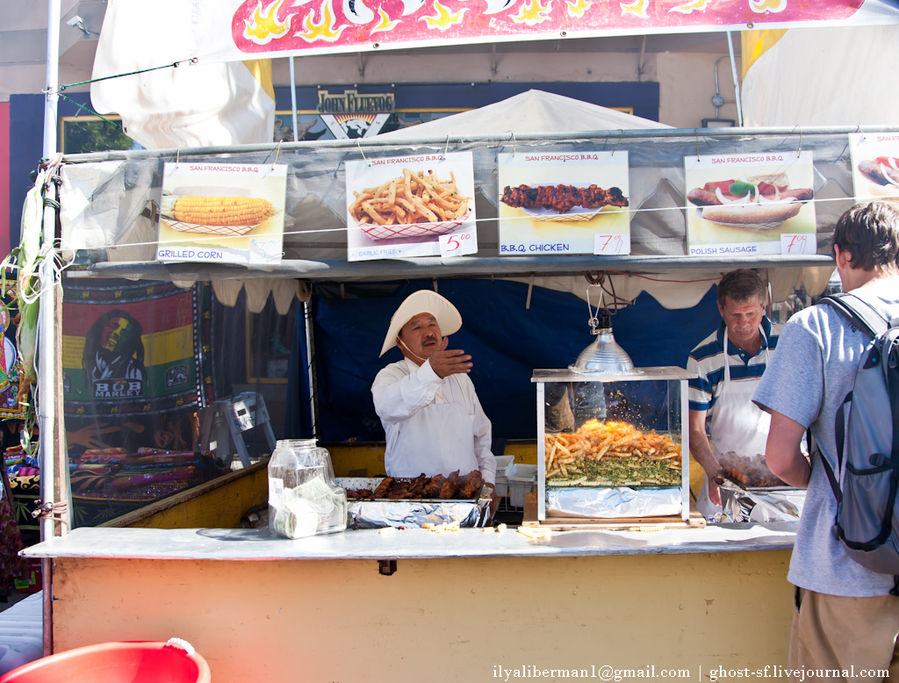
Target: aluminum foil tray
761	505
613	501
373	514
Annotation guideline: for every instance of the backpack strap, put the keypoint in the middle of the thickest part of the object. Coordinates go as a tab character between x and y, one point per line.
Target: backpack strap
814	450
891	369
858	311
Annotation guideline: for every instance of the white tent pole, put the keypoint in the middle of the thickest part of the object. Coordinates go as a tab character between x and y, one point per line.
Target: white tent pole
46	355
733	69
293	100
48	330
52	98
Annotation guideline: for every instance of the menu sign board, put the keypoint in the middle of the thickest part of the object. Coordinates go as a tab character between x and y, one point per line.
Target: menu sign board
222	213
746	204
421	205
554	203
875	165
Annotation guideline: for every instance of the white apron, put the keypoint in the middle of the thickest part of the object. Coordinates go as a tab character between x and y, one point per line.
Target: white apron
420	448
736	425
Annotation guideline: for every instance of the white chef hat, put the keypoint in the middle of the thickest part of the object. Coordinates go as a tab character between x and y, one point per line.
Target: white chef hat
422	301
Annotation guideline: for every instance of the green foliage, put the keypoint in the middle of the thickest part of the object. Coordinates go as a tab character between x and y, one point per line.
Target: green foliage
92	135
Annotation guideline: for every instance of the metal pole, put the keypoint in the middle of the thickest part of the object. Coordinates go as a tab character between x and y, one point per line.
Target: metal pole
52	99
293	101
310	365
307	309
47	329
733	69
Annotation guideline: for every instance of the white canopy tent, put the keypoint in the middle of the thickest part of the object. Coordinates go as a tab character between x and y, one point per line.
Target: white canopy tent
822	77
533	111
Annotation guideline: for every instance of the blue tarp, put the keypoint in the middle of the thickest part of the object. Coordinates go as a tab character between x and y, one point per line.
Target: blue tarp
506	339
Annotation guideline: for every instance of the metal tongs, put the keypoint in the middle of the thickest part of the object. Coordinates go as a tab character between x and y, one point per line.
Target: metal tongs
721	477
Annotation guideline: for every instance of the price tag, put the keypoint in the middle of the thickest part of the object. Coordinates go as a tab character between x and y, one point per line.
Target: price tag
611	244
798	243
457	244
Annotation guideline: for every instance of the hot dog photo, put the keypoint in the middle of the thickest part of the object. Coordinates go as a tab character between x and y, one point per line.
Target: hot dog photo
759	202
875	165
749	203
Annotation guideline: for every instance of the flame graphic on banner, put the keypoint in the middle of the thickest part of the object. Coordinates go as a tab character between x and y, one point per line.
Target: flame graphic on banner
385	23
264	26
637	8
444	19
532	12
307	26
765	6
578	7
695	6
325	29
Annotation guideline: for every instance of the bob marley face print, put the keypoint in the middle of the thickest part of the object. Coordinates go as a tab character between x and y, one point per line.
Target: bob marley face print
113	357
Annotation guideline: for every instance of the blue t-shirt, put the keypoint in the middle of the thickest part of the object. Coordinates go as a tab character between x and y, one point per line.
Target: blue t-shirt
806	380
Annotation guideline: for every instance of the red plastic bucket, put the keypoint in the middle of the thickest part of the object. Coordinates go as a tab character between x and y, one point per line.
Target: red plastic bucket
138	662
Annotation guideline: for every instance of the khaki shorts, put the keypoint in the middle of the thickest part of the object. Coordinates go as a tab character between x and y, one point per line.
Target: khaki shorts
839	638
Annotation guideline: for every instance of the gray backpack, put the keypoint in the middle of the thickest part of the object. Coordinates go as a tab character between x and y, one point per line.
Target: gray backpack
866	476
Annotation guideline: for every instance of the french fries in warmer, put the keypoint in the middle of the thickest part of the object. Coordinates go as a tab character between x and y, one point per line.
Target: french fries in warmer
611	454
414	197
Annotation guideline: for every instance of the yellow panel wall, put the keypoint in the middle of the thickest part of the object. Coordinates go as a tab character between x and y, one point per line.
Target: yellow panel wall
436	620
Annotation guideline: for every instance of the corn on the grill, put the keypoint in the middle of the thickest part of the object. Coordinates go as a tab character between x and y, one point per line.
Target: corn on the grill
222	210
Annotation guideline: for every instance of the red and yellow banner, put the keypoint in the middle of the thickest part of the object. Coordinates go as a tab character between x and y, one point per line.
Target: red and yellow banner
239	30
308	26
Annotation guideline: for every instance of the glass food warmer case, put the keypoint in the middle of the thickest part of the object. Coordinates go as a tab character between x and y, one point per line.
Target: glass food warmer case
613	444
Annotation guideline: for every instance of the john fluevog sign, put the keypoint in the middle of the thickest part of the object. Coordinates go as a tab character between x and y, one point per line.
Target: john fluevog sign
352	114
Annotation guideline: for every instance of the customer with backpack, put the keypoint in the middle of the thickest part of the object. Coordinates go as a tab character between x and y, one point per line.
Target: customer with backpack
847	615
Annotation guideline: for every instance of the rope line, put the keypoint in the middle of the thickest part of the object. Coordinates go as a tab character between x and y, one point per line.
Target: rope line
288	233
59	89
90	111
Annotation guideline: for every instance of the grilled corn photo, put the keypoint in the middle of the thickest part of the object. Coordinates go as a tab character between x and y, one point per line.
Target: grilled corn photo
219	210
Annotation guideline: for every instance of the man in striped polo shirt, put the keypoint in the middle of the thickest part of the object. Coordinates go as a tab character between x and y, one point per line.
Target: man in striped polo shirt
727	430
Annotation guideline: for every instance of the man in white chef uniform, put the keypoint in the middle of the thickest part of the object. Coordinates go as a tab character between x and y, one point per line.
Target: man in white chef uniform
729	363
432	418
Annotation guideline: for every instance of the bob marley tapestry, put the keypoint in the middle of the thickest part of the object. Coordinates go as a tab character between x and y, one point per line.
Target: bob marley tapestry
136	371
10	363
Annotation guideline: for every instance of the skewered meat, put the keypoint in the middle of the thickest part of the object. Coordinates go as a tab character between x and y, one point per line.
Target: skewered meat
447	489
562	198
383	487
453	485
359	494
472	485
432	489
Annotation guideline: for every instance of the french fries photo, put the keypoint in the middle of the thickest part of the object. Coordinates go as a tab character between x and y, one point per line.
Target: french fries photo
414	197
611	454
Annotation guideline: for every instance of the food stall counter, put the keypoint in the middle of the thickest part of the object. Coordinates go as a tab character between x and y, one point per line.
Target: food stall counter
377	544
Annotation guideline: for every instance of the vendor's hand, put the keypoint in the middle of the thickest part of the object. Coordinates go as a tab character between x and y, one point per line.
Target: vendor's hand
446	362
494	501
714	493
